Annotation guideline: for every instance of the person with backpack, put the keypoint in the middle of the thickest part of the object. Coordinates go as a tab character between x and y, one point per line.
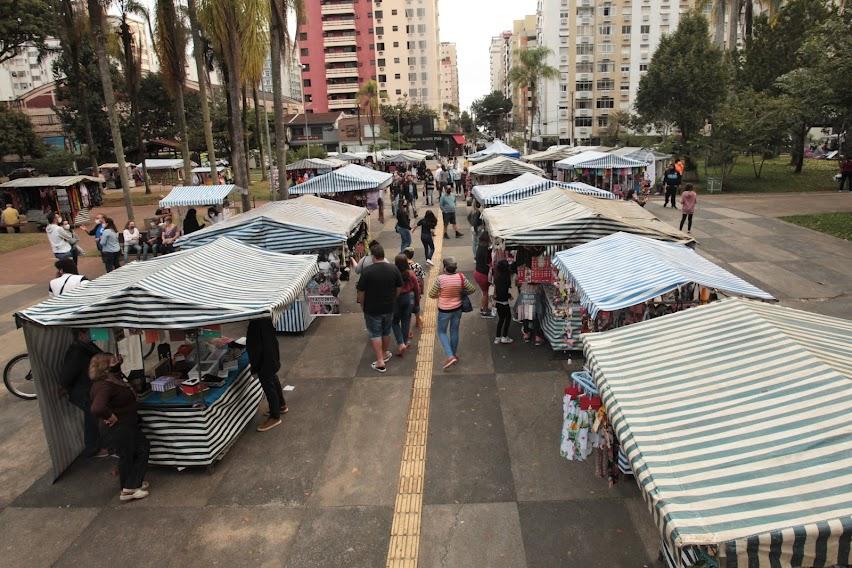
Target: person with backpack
671	181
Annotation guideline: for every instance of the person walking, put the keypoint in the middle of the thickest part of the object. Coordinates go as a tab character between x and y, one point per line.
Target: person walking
671	181
11	219
403	224
447	204
114	402
502	296
480	274
407	303
378	288
688	200
61	241
455	179
449	288
265	360
410	193
421	281
474	218
430	187
427	227
110	247
67	278
75	383
845	173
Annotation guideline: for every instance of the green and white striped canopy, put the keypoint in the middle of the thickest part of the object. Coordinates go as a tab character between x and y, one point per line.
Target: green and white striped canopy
735	418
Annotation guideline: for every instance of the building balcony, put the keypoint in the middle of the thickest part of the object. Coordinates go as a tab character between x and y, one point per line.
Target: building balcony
342	103
342	72
343	56
346	88
343	8
334	25
348	39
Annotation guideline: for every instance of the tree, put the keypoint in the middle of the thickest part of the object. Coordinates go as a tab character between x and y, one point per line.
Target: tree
491	112
466	123
368	97
25	23
451	115
255	48
618	121
17	135
686	79
530	70
410	115
200	66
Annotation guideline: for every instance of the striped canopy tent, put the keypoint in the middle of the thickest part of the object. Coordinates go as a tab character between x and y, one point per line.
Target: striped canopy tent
623	270
311	164
564	218
595	160
302	224
496	147
551	154
206	169
348	178
197	195
401	157
349	157
164	164
504	166
527	185
335	162
739	431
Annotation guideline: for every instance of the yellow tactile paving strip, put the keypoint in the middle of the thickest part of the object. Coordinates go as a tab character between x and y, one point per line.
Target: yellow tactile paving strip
405	530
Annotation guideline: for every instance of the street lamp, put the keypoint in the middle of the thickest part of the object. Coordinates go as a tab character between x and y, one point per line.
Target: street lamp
305	112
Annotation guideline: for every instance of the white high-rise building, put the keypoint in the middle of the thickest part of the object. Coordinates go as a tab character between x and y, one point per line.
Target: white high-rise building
25	72
601	48
501	61
449	74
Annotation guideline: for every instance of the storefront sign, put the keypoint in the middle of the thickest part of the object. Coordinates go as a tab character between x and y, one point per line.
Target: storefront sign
323	305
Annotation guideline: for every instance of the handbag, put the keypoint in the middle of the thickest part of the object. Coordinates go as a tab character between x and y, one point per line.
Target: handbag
466	304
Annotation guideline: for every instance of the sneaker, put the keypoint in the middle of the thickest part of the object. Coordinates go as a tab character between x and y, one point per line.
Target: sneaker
446	236
132	494
450	362
506	340
496	340
429	262
269	424
486	314
375	367
388	356
458	234
539	341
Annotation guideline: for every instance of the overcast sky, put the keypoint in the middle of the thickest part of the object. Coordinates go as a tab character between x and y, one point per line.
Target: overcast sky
470	24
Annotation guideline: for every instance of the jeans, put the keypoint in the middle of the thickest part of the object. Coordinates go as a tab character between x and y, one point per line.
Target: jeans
154	249
450	342
428	244
504	316
274	394
405	236
402	317
61	255
111	261
683	218
132	447
140	250
430	200
671	192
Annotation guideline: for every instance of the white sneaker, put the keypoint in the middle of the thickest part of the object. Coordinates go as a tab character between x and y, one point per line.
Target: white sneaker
429	262
496	340
506	340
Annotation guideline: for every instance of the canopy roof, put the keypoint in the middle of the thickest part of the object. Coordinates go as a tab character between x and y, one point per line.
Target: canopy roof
552	154
496	147
600	160
54	181
404	156
296	225
221	282
311	164
196	195
114	165
164	164
206	169
348	178
503	165
739	432
350	156
562	217
527	185
622	270
641	153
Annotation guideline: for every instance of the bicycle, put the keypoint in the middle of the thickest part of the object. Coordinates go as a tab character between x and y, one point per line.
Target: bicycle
18	377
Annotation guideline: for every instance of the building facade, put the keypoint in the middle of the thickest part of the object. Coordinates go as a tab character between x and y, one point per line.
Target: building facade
524	36
601	49
26	71
501	61
291	76
449	74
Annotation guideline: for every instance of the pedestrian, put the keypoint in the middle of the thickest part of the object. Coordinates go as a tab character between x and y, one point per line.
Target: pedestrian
450	288
679	166
410	193
152	240
11	219
265	361
474	218
502	296
671	181
467	180
403	224
61	241
421	281
114	402
190	222
133	242
430	187
447	204
110	247
427	227
378	288
845	173
441	177
96	230
687	205
407	303
75	383
67	278
480	274
454	178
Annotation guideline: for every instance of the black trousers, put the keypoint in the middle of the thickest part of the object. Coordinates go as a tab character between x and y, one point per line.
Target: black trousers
671	192
91	427
684	217
274	393
504	317
132	447
111	260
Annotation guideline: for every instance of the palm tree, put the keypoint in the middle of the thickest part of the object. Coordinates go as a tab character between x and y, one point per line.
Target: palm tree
171	50
368	96
255	48
97	22
201	68
528	72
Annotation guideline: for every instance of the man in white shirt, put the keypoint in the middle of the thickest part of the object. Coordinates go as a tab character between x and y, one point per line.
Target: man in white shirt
60	239
66	278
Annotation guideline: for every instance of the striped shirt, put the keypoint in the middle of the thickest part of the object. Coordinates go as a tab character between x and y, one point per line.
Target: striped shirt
448	289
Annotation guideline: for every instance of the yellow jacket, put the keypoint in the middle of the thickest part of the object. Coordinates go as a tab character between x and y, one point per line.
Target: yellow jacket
10	216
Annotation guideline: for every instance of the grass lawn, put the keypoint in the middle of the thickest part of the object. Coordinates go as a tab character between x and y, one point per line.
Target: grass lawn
835	224
15	241
778	176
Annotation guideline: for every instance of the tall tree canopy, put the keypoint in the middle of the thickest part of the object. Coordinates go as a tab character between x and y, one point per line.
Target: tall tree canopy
25	23
491	113
17	135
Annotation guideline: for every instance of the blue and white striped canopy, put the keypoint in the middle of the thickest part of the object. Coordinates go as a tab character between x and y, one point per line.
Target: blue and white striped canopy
502	166
311	164
197	195
622	270
496	147
303	224
348	178
221	282
735	418
527	185
598	160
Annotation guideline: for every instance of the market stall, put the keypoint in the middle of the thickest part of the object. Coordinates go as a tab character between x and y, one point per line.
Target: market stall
307	224
715	427
351	184
527	185
178	302
162	171
496	148
68	195
224	197
112	178
501	168
601	169
201	175
657	161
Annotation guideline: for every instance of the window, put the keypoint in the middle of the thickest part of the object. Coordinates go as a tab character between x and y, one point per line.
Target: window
396	59
625	68
584	30
379	14
395	28
421	12
625	30
605	48
605	84
424	60
584	103
605	102
643	67
412	92
607	10
396	76
585	11
421	28
306	82
603	120
424	76
409	12
396	44
398	91
381	46
412	77
605	29
585	49
583	86
644	29
412	61
422	44
606	66
410	44
303	52
424	92
393	13
409	29
381	62
306	67
382	78
585	67
380	30
582	121
303	36
624	87
309	98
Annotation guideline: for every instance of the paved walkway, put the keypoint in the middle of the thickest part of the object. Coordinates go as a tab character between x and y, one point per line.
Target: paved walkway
321	490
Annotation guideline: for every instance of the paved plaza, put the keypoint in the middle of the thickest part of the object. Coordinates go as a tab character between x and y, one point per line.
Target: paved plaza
320	490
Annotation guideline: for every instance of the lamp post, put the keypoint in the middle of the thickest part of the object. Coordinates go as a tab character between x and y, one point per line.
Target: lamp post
305	112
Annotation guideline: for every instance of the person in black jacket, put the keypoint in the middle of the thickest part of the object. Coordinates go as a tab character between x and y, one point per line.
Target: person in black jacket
262	347
74	378
502	283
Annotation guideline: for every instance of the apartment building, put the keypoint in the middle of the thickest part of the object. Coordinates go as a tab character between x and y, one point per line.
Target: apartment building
449	74
524	35
143	44
25	72
601	48
501	62
291	76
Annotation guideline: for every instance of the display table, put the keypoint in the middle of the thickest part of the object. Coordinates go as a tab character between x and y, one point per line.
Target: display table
556	324
296	318
199	431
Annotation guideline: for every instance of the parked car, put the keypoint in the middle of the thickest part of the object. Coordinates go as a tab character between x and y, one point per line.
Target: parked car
22	173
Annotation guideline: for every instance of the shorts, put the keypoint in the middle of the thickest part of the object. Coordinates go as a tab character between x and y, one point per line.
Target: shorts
482	281
378	326
449	218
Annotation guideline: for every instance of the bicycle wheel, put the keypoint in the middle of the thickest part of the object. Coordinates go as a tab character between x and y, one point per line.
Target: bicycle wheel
18	377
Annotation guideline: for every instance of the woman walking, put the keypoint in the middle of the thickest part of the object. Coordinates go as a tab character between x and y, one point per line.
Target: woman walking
427	233
688	200
114	402
429	184
502	283
407	302
110	247
449	288
403	224
483	266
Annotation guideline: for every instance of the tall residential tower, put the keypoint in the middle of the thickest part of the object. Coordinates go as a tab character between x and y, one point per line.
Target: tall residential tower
449	74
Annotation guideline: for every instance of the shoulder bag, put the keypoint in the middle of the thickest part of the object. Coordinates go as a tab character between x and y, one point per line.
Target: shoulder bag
466	305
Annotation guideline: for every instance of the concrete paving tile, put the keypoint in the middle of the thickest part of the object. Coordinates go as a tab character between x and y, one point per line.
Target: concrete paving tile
728	213
591	534
825	272
349	537
788	284
191	487
281	466
474	349
720	248
332	350
643	522
38	537
760	248
521	357
362	464
23	450
88	482
479	534
736	227
398	366
467	455
837	307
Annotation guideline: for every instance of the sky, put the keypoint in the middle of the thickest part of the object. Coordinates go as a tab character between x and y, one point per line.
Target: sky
470	25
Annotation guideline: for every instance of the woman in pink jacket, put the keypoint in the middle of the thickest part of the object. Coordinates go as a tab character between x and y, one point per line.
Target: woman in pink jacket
688	199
